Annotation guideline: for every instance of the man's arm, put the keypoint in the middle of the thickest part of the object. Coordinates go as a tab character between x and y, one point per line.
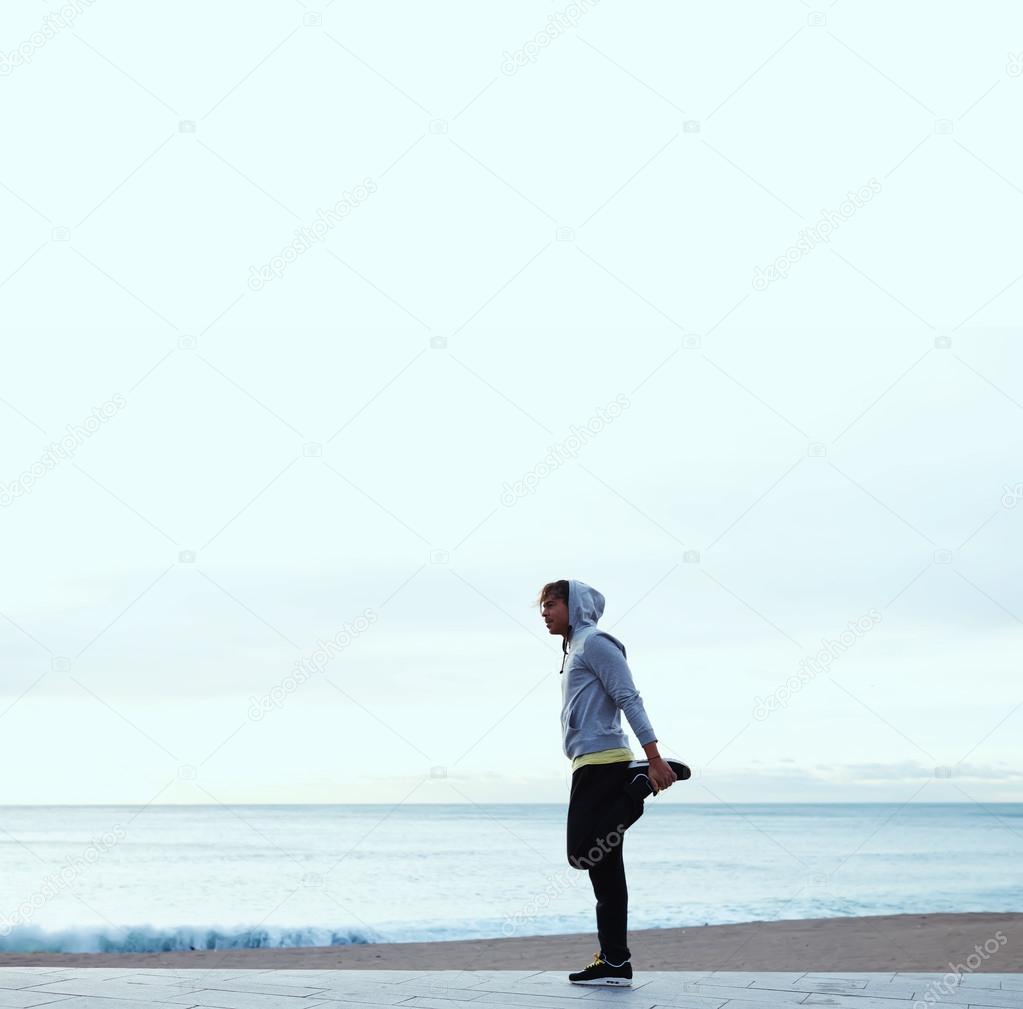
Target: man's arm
606	660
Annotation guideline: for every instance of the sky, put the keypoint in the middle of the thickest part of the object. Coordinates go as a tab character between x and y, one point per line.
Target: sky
328	341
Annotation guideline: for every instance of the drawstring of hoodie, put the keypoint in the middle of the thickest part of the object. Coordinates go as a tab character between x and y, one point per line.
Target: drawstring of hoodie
564	649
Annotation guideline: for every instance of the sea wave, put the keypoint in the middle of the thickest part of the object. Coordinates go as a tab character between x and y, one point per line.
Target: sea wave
155	939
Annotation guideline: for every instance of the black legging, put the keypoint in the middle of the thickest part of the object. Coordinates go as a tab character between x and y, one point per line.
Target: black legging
599	813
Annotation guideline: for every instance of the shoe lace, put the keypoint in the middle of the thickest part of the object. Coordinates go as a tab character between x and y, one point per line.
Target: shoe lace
597	961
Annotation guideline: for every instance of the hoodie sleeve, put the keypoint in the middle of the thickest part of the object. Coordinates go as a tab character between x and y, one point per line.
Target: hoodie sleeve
608	663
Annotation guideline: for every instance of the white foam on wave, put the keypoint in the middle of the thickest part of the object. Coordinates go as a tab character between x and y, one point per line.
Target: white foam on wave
157	939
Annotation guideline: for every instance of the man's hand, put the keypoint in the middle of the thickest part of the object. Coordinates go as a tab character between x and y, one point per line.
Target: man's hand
660	774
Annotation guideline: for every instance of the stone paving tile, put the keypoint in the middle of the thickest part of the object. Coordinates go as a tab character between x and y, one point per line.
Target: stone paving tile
544	1001
241	973
649	993
640	999
379	976
1007	981
154	989
682	988
852	975
849	987
308	979
18	999
497	987
259	986
449	987
933	993
233	999
746	978
679	1000
759	1004
355	990
95	1002
682	1004
113	988
871	1001
894	991
961	995
466	979
895	994
365	1003
164	976
430	1002
336	977
9	979
630	997
746	994
72	972
448	995
380	995
740	1003
898	984
916	975
122	972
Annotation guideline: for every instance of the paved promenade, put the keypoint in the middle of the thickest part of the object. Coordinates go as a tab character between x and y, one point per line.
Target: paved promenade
138	988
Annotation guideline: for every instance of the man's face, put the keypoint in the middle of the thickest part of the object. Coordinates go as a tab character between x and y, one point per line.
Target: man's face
555	615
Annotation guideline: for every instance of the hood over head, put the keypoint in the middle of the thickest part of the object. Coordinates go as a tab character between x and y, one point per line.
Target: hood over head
585	605
585	608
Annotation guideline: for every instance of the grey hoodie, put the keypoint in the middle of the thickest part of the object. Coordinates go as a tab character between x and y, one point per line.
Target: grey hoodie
596	682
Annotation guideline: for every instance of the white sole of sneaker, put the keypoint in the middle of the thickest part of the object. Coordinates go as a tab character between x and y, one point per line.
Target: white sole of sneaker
618	982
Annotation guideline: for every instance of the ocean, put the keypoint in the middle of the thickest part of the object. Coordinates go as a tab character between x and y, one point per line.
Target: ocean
119	878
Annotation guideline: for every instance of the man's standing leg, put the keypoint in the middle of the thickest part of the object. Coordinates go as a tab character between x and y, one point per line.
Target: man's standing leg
612	893
599	813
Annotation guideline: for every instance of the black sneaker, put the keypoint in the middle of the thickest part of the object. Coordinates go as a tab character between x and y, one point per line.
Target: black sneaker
604	973
640	787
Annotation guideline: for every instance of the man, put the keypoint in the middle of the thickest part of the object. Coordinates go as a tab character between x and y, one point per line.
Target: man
608	785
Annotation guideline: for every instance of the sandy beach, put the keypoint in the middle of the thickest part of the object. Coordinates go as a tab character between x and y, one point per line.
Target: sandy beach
905	942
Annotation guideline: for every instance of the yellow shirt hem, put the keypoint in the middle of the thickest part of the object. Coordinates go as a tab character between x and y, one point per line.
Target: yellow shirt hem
603	757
